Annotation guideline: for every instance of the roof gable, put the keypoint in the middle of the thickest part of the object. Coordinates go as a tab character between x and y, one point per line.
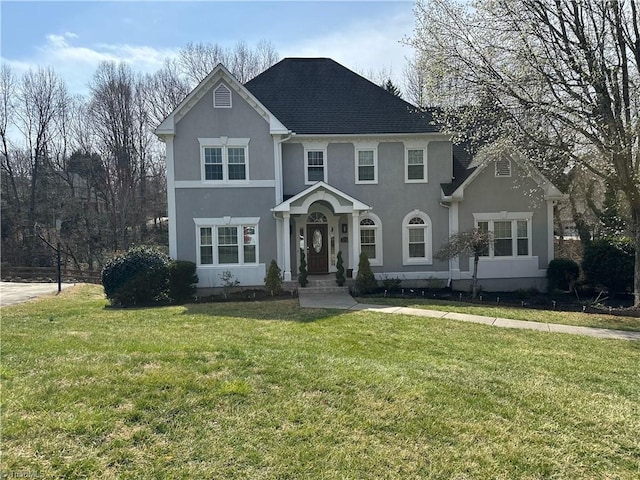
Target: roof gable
321	191
471	166
318	96
218	74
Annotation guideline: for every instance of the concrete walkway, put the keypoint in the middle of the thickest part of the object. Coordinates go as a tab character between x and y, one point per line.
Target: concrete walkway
344	301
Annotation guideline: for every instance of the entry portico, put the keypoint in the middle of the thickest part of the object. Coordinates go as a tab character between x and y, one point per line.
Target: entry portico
322	220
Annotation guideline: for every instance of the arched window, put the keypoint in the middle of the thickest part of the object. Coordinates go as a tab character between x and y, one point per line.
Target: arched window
316	217
416	239
371	238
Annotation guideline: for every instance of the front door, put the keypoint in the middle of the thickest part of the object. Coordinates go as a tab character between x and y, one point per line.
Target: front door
317	248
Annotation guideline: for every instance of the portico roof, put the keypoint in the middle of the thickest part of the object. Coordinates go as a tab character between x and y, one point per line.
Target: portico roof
321	191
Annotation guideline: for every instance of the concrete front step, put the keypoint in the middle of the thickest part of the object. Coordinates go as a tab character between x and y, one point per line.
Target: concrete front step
324	289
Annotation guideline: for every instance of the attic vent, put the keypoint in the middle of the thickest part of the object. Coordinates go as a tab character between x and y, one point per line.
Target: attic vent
503	167
222	97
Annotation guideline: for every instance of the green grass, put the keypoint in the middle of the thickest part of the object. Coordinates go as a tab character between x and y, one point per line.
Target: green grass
268	390
597	320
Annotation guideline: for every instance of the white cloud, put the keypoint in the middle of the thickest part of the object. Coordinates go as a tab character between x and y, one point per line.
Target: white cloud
76	63
370	46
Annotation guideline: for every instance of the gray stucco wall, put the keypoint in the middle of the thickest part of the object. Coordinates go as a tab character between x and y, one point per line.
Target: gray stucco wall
214	203
204	121
518	193
391	198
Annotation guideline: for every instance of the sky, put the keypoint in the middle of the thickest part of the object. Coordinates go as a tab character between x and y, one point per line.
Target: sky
73	37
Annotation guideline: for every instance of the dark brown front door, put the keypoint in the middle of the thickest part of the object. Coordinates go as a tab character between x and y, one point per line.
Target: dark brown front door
317	258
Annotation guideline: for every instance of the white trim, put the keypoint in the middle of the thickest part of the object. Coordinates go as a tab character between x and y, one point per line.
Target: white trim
315	147
497	173
219	73
428	239
408	146
224	143
321	191
378	260
550	233
220	184
512	217
171	197
251	274
221	86
227	221
366	147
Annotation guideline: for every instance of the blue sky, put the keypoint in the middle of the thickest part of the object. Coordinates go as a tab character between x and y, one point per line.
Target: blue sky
73	37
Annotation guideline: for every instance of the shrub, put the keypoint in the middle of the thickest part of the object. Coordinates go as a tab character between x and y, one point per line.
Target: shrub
139	276
562	274
273	280
391	284
340	278
182	280
302	277
610	264
365	280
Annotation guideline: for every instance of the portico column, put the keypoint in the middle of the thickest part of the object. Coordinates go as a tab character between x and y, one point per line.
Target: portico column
355	241
286	237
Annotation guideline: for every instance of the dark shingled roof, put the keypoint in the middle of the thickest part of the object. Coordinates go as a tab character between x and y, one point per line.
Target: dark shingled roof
320	96
463	154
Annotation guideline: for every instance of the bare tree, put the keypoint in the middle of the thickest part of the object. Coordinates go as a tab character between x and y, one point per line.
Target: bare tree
473	242
198	59
163	91
564	75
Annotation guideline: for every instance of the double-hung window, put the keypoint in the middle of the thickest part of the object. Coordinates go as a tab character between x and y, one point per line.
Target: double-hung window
315	166
416	238
366	163
225	159
415	165
315	163
222	243
510	233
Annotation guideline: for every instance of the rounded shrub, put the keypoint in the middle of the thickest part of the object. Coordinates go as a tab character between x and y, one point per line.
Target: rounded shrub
182	280
610	264
562	274
139	276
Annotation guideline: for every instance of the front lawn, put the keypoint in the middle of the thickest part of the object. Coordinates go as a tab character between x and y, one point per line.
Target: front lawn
269	390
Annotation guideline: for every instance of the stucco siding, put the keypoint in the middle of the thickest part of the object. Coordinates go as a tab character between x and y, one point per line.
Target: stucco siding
391	198
240	121
518	193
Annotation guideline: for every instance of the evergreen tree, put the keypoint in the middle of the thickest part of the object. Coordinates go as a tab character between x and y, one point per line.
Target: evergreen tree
273	280
365	280
302	277
391	88
340	278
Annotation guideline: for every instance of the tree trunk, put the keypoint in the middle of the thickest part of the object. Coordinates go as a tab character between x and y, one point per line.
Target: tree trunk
635	231
474	292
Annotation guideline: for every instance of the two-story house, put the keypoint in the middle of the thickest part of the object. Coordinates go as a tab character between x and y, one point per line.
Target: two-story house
309	156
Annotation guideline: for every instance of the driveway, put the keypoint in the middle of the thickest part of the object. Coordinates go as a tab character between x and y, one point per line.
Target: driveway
18	292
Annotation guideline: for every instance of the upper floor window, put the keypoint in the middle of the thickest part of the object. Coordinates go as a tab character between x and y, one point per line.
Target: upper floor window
225	159
416	238
366	163
222	97
510	232
415	165
315	158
